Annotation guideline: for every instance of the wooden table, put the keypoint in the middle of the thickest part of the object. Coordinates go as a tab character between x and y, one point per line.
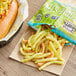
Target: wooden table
10	67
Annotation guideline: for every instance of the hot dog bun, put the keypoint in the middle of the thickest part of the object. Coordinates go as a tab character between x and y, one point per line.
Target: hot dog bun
7	21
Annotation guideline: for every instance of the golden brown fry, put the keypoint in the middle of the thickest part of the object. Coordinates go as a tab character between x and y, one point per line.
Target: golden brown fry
30	40
31	57
45	60
43	48
24	47
39	44
24	53
43	55
48	63
38	40
56	44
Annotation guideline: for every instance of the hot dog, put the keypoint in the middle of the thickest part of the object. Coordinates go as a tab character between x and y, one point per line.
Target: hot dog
8	17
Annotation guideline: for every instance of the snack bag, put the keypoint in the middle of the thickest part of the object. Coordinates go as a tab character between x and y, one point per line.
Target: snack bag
60	17
48	14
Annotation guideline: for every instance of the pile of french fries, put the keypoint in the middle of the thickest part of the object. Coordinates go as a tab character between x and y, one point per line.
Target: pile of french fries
43	48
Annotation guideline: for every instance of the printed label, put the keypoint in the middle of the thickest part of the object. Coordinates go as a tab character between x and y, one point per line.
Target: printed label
69	26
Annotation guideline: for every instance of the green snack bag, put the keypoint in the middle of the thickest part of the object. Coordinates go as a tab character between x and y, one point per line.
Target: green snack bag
59	16
48	14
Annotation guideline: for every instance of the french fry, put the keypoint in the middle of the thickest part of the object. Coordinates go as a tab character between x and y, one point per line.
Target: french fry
45	60
55	35
32	33
24	47
24	41
40	64
56	43
67	41
43	55
46	45
39	29
51	55
63	43
52	48
31	57
61	59
44	34
48	63
37	35
62	40
39	44
23	53
43	48
30	40
27	56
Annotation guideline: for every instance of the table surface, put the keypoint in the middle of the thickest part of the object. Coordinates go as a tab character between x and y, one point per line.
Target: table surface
10	67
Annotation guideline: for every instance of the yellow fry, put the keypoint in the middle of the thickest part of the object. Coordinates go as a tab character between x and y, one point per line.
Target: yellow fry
59	38
45	60
43	48
48	63
30	40
39	44
24	47
56	44
31	57
43	55
38	40
23	53
39	28
62	40
23	40
61	59
55	35
67	41
31	54
52	48
27	56
37	35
